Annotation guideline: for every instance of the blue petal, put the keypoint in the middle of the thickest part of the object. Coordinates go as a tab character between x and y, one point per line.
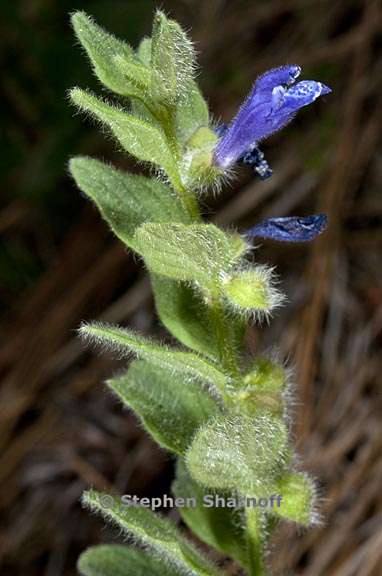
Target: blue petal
304	93
290	229
220	129
277	76
272	103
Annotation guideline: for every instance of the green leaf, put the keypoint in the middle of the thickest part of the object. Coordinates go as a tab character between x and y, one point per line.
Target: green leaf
125	200
139	138
222	528
172	61
192	113
102	48
171	408
152	531
144	51
184	313
186	363
186	316
135	72
149	113
239	453
197	252
117	560
192	109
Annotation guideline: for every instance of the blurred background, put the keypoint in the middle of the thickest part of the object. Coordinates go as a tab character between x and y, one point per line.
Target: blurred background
60	429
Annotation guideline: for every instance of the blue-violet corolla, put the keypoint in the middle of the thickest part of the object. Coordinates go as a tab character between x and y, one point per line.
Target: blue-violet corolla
274	100
290	229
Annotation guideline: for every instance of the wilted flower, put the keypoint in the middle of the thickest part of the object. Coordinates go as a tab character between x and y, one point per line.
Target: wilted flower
272	103
290	229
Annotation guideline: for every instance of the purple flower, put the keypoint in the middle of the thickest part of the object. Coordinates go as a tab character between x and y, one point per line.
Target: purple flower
272	103
253	157
290	229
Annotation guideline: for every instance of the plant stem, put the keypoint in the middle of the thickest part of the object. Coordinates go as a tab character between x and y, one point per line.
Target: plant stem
255	540
167	121
222	326
223	334
188	200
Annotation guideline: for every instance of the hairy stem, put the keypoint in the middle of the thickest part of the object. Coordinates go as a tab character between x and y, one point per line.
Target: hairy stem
188	199
224	336
255	542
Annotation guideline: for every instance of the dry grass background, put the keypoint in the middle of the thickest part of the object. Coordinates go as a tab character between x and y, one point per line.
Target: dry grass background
60	430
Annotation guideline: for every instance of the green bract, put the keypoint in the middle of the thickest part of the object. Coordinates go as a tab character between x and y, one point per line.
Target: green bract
218	410
138	137
222	527
187	363
172	61
197	252
114	560
171	406
239	453
159	535
125	200
102	48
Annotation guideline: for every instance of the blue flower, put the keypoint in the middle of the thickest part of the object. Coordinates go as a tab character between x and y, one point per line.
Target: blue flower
290	229
274	100
254	157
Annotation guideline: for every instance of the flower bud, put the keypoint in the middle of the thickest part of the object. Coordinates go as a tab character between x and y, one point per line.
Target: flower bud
253	291
298	498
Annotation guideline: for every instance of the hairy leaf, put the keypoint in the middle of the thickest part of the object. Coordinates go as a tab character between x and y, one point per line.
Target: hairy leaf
185	315
221	528
186	363
160	535
266	375
172	61
192	113
102	48
239	452
117	560
171	408
198	252
125	200
138	137
144	51
135	72
192	109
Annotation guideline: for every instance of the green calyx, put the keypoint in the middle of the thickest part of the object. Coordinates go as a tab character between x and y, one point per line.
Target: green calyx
262	388
201	170
252	291
298	498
